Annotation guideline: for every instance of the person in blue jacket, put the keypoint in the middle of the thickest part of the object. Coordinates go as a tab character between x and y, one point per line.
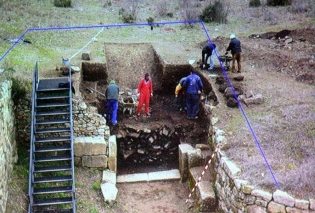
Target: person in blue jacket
111	94
194	87
208	50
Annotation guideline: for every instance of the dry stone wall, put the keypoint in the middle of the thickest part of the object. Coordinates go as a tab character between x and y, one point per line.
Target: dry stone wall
86	120
236	195
8	154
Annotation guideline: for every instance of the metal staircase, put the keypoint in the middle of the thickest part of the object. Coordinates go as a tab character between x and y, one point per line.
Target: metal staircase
51	163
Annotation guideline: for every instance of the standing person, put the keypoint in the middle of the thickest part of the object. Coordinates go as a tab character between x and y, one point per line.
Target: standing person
235	47
194	87
209	51
146	92
179	91
111	94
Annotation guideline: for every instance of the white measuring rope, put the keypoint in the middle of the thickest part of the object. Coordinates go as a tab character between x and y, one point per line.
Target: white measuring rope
93	90
92	39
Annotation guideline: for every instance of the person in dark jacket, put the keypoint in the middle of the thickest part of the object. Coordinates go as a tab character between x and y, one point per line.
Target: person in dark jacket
235	47
194	87
209	51
111	94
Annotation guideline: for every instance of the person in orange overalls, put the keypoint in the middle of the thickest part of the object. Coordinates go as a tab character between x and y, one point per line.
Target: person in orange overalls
146	92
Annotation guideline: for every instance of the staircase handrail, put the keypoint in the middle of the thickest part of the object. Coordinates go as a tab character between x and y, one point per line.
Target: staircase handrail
71	136
32	145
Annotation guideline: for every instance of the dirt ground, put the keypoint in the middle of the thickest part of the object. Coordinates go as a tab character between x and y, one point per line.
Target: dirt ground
284	123
155	197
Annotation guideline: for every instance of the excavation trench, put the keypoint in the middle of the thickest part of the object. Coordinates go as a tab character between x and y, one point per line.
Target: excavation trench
145	144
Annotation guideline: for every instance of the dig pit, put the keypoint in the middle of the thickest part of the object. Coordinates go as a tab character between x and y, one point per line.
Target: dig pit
146	144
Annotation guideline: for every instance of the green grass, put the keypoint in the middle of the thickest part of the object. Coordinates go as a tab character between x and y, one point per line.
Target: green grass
93	210
97	185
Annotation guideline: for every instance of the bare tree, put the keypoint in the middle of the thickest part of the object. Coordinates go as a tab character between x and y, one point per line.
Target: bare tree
161	7
189	11
129	10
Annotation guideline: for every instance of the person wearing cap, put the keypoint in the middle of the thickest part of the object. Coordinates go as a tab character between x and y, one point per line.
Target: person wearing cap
146	92
179	91
209	51
194	87
235	47
111	94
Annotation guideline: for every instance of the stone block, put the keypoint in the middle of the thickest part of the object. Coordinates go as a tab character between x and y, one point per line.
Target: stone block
283	198
86	146
183	149
206	197
194	158
230	168
98	161
195	173
256	209
112	153
250	199
275	208
109	177
86	56
78	161
202	146
302	204
295	210
109	191
247	189
261	202
262	194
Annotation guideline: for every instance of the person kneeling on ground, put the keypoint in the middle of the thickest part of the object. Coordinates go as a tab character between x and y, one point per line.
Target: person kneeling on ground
111	94
181	93
146	92
194	87
235	47
209	51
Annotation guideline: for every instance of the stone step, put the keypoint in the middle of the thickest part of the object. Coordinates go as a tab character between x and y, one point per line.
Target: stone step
151	176
204	193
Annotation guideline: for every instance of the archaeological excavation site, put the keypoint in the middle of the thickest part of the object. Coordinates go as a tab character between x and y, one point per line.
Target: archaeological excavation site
214	156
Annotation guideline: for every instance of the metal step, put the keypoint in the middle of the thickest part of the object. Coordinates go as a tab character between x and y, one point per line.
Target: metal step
51	89
53	149
61	121
52	201
52	97
55	211
52	168
52	179
52	105
53	158
50	130
52	139
50	190
52	113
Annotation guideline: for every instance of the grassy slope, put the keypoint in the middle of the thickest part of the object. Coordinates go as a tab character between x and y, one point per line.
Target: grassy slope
49	47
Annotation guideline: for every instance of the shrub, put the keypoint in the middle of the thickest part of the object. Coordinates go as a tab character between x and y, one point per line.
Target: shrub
161	7
300	6
150	20
279	2
169	15
129	10
128	18
108	3
216	12
254	3
62	3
